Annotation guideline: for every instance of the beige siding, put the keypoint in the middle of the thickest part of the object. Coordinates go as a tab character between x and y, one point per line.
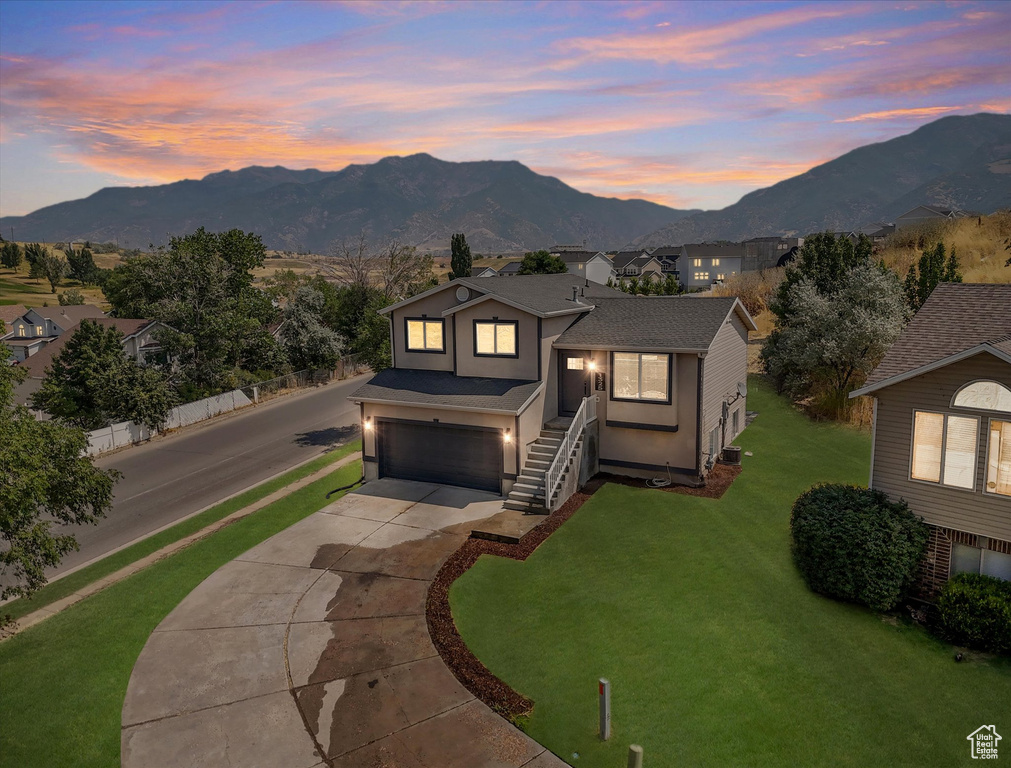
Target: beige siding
726	366
522	367
970	511
432	307
643	446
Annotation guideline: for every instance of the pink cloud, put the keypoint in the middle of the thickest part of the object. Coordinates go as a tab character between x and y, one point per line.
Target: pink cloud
914	113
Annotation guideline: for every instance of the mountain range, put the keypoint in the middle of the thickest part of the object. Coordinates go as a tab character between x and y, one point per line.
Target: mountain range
954	162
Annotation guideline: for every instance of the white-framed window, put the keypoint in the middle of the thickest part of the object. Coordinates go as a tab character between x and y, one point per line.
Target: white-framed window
983	396
496	338
580	266
716	262
721	276
424	335
21	331
640	376
574	363
696	262
967	559
998	458
701	275
944	449
38	330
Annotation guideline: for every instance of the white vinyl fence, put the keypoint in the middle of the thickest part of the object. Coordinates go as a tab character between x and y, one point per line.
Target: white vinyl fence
126	432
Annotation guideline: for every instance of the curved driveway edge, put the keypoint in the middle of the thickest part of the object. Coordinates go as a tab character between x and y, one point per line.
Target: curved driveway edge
312	649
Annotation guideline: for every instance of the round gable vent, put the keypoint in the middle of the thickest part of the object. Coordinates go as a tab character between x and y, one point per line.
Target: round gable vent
462	294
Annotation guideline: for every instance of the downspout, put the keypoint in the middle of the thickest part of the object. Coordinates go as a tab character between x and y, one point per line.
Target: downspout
698	419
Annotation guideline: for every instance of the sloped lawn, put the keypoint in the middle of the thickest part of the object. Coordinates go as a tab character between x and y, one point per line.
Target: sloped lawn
718	654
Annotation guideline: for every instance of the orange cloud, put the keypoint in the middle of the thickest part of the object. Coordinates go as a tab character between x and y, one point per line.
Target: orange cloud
699	45
915	113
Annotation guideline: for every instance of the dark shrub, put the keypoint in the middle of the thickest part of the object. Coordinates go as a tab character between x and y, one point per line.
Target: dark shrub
975	610
855	544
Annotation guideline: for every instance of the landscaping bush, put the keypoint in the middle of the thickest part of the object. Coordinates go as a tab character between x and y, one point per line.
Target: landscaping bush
975	610
855	544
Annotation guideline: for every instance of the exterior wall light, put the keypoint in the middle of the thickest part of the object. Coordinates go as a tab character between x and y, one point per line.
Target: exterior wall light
507	437
368	424
592	365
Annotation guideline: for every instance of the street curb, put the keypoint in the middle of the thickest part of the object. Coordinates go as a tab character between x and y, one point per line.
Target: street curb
33	618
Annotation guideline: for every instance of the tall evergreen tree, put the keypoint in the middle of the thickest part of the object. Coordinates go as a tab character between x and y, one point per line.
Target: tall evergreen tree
82	265
461	261
10	255
932	268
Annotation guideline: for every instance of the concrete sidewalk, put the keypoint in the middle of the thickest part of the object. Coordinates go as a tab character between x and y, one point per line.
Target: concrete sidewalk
312	649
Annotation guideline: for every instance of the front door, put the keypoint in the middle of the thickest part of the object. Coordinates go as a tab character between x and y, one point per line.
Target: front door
573	381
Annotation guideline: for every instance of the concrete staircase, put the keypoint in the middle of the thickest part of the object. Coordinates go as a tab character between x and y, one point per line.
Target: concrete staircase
527	494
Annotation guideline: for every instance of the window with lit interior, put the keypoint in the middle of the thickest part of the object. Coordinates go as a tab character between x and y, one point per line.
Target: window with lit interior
996	397
425	336
944	449
640	376
495	338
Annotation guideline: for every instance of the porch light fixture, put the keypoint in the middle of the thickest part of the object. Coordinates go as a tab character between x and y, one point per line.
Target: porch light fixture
592	365
368	424
507	437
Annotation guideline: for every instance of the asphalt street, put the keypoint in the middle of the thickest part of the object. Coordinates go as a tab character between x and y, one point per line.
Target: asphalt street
169	478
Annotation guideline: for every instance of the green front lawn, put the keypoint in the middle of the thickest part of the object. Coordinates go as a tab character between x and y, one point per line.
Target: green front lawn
717	652
62	682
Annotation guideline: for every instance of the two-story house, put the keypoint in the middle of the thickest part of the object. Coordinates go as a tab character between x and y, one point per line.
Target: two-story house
769	252
638	264
593	265
39	326
703	264
490	377
942	428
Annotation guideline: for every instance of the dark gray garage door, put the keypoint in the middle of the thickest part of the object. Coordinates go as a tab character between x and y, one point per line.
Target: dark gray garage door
440	453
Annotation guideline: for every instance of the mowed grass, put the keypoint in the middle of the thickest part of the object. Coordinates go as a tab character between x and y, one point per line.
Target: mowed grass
717	652
69	584
62	682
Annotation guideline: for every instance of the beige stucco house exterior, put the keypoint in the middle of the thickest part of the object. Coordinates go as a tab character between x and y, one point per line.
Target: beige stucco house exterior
942	429
488	374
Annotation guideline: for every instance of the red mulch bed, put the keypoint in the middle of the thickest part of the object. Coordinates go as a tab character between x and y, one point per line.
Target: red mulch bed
717	482
474	675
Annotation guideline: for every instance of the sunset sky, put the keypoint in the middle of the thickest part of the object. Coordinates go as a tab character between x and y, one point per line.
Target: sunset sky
686	104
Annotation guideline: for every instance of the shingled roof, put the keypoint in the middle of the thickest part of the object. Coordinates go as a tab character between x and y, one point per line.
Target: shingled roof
443	389
957	318
543	294
681	323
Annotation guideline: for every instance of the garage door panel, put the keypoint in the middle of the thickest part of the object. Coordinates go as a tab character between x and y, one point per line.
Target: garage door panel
441	453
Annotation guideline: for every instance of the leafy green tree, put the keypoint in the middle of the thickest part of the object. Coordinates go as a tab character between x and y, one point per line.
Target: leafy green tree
634	286
933	268
54	269
353	311
34	255
45	481
10	255
202	287
73	297
82	265
91	383
461	261
308	342
541	263
671	286
834	338
824	260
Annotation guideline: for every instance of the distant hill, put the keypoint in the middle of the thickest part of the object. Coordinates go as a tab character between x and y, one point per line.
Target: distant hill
955	162
420	200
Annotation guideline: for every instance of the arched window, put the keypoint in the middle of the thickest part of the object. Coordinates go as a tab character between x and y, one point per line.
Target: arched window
983	396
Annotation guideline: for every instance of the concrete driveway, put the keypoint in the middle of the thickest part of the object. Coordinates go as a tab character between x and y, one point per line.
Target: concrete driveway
312	649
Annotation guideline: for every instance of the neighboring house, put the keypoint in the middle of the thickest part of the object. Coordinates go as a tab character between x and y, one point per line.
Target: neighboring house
487	272
924	213
510	270
879	233
593	265
38	326
638	264
668	256
942	428
769	252
703	264
489	375
138	343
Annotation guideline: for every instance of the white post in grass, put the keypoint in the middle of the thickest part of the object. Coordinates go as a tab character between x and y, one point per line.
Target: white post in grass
604	692
635	756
